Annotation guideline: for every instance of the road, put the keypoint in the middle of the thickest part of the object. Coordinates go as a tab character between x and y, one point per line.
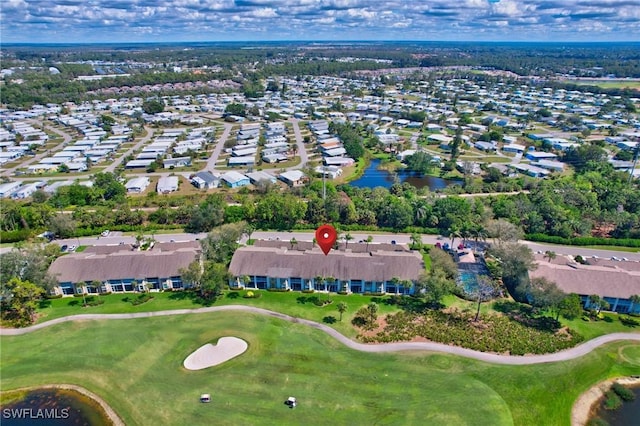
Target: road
117	238
24	164
211	162
565	355
111	167
302	150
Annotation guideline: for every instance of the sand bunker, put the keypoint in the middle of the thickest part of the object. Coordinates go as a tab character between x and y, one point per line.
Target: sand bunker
210	355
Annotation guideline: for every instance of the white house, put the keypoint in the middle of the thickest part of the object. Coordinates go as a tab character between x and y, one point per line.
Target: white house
167	184
137	185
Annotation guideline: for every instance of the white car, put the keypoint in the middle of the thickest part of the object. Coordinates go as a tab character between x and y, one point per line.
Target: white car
72	248
105	233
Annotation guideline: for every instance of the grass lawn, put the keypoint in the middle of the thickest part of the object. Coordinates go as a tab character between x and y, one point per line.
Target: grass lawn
136	366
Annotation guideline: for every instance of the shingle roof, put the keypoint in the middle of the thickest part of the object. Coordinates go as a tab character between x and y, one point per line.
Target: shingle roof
80	267
343	265
586	280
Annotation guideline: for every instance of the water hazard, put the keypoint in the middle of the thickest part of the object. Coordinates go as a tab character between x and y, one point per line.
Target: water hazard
53	407
373	177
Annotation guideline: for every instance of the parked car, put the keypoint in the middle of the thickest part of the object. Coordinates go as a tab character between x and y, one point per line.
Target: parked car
105	233
64	247
72	248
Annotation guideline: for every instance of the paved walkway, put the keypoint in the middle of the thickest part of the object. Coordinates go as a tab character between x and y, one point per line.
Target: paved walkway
565	355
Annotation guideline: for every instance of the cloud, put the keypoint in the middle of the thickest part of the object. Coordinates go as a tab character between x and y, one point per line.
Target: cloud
183	20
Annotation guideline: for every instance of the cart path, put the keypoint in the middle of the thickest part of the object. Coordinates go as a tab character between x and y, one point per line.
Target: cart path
564	355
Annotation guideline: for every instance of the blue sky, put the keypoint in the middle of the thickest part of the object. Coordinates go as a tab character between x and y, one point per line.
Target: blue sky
67	21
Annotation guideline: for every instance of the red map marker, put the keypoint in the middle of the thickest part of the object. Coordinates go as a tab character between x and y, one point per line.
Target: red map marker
326	236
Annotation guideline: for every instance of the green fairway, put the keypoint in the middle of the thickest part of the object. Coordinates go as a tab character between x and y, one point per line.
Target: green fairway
136	366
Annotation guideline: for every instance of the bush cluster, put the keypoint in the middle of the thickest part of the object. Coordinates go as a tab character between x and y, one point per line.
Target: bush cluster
624	393
145	297
493	333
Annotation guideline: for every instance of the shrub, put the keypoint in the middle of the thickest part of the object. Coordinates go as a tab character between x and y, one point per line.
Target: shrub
626	320
53	296
279	290
597	421
141	299
308	291
624	393
612	401
251	295
91	301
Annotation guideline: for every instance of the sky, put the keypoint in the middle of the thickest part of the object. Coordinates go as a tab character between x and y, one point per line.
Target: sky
108	21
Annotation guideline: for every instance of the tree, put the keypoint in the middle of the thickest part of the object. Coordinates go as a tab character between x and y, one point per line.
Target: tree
79	287
220	244
215	276
598	303
342	308
515	261
372	312
545	294
293	242
550	255
236	109
635	300
153	106
416	241
484	291
192	274
19	301
435	285
97	285
62	225
347	237
571	306
368	241
502	231
107	186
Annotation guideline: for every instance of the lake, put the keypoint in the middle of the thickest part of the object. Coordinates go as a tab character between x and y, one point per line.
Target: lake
373	177
54	407
627	415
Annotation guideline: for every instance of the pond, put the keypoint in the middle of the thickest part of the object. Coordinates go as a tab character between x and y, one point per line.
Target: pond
373	177
627	415
53	407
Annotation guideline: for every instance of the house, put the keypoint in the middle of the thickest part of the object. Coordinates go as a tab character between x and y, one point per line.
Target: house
167	184
26	191
338	161
241	161
292	177
556	166
514	147
171	163
332	172
540	155
260	176
439	138
234	179
530	170
205	180
137	185
118	268
485	146
614	281
7	189
359	268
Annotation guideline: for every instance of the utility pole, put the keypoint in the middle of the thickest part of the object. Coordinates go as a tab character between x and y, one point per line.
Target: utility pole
635	161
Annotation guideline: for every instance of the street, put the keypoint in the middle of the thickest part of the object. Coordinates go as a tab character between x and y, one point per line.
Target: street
116	238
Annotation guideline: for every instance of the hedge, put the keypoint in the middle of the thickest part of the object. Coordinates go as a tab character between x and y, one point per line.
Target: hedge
14	236
584	241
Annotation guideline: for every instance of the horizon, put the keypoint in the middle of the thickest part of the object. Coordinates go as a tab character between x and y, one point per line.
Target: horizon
245	21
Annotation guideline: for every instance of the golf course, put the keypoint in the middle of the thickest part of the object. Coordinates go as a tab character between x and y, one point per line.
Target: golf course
136	366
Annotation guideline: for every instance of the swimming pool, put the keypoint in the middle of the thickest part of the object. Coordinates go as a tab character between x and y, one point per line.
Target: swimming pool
468	281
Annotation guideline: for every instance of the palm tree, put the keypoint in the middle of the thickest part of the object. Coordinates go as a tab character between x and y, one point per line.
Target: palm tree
80	286
396	283
246	279
549	255
97	285
406	285
134	285
453	233
368	241
635	300
416	241
342	308
347	237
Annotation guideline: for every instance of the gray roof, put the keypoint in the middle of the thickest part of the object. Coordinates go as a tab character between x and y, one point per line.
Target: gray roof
604	281
88	266
343	265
